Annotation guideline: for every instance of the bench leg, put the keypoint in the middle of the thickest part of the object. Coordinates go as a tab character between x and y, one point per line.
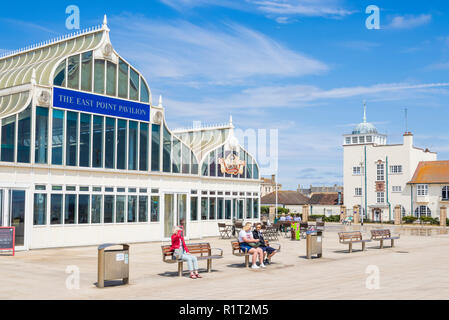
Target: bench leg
381	244
350	247
180	269
247	261
363	246
392	243
209	265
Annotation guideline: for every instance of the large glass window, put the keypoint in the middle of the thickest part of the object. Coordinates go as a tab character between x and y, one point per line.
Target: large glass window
8	138
73	71
212	208
40	209
56	209
204	208
120	209
59	79
110	143
24	136
108	209
220	155
57	136
212	165
423	211
99	76
132	146
144	92
194	164
83	208
97	142
166	163
132	208
241	209
155	147
220	208
123	80
176	156
249	208
249	166
194	208
380	172
111	79
86	71
445	193
143	142
71	138
96	208
121	144
154	208
228	209
70	209
133	85
185	159
143	208
41	140
85	120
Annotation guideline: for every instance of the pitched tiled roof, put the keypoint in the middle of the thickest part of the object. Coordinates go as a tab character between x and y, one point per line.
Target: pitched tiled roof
325	198
285	198
431	172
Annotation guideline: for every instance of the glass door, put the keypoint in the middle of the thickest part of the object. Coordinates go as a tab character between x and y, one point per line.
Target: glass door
12	213
169	214
182	211
175	214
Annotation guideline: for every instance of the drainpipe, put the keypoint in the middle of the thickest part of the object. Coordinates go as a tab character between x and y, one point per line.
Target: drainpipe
388	202
366	201
411	199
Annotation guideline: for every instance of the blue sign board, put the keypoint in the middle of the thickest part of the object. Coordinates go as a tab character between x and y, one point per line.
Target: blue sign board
86	102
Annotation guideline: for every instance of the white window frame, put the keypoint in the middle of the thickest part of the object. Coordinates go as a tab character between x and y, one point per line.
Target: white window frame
380	197
356	171
397	189
358	192
380	172
422	189
396	169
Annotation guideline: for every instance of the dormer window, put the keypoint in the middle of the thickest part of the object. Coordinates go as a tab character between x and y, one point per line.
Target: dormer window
348	140
369	139
361	139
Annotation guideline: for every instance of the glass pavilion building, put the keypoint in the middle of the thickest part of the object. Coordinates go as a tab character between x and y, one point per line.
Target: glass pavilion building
86	158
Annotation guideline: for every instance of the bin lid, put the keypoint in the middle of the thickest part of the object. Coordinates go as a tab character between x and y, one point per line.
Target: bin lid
106	245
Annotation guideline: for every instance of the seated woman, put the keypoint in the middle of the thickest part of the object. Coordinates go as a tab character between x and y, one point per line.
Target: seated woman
180	251
268	251
245	238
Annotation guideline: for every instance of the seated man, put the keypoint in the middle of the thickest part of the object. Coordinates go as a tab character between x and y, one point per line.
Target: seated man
282	218
289	217
267	250
297	218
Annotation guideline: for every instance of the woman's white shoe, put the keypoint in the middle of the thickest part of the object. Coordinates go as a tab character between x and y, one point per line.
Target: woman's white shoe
262	265
255	266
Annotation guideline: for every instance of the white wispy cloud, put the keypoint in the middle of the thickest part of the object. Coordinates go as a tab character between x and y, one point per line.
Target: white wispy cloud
409	21
180	50
277	9
360	45
27	25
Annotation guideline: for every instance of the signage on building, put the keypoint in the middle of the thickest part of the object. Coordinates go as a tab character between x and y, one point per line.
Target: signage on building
231	164
7	238
92	103
380	186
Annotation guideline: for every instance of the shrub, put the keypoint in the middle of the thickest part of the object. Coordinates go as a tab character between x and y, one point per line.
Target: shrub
313	217
430	219
334	218
264	209
409	219
447	222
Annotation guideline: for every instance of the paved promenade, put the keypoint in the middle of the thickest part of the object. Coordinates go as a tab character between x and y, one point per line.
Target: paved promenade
417	268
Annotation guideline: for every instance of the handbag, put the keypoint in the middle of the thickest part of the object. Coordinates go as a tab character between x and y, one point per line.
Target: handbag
254	244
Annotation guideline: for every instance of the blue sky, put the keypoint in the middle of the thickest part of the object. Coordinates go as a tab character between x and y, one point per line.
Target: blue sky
300	66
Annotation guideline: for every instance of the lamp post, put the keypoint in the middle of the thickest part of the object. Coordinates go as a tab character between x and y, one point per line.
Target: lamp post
362	170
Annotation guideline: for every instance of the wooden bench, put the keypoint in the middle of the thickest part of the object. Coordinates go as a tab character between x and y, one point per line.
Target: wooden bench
236	251
352	237
202	251
381	235
225	230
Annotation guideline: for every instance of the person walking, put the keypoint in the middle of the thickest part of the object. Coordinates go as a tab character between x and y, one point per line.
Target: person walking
180	251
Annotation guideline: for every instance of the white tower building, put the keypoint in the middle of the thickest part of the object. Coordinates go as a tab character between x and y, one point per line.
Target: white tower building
375	173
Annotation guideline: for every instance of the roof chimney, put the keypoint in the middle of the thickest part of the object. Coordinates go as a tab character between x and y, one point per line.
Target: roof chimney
408	140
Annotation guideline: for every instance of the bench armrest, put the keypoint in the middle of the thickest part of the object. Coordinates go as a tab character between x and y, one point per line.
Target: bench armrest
221	250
